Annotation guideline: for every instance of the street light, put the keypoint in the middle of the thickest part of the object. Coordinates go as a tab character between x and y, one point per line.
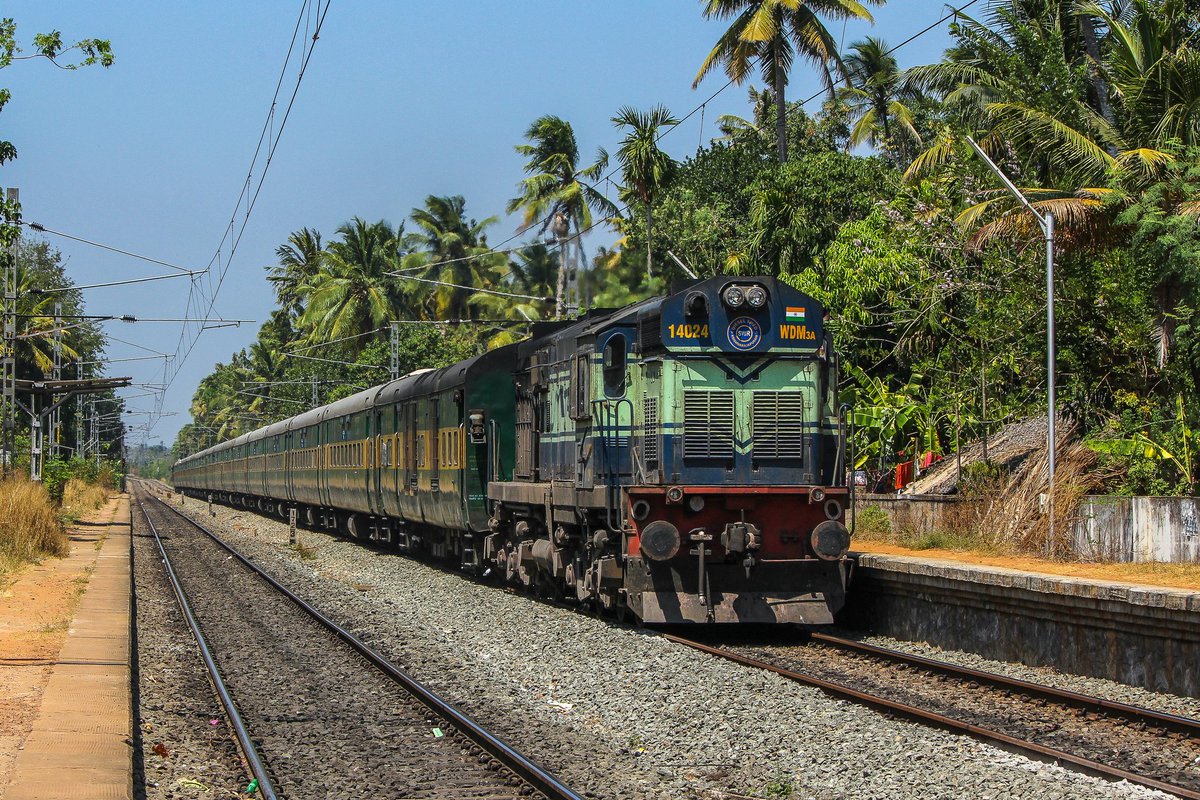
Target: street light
1046	221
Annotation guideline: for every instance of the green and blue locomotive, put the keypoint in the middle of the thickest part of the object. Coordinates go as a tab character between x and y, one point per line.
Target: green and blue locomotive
681	459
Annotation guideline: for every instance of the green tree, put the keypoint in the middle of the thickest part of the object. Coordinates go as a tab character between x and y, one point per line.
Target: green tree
49	46
558	194
351	293
299	260
878	99
645	168
450	248
773	33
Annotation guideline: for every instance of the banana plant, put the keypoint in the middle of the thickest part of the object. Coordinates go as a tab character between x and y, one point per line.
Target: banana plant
890	421
1139	445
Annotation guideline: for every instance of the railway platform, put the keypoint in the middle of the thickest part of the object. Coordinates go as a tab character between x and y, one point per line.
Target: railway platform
79	744
1141	635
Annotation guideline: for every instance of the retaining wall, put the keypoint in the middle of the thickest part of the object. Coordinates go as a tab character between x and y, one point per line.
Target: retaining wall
1138	635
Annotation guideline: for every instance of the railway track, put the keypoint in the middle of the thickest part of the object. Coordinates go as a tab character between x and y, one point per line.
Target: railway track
1101	737
318	712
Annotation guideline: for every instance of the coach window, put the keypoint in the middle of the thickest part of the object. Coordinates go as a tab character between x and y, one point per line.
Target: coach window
614	365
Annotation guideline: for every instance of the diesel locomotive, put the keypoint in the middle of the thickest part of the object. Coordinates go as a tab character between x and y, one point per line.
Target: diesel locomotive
680	460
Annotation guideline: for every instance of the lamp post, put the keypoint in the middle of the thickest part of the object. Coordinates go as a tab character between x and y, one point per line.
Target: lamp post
1046	221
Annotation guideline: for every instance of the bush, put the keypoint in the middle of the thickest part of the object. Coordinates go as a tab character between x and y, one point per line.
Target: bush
29	524
57	473
872	521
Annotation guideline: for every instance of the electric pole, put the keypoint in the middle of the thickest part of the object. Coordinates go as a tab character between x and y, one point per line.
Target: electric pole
56	374
395	350
80	444
8	361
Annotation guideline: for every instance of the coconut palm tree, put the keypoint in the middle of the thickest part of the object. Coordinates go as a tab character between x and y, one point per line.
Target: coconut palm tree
451	248
299	260
558	194
773	33
530	274
645	169
351	293
878	98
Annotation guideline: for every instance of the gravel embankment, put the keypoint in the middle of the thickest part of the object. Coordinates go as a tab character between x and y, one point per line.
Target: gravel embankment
326	723
183	746
620	713
1169	756
1098	687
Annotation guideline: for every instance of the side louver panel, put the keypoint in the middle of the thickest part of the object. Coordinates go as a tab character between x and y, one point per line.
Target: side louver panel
708	425
778	425
650	432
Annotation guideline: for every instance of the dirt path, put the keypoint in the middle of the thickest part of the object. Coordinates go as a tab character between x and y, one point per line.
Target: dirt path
35	612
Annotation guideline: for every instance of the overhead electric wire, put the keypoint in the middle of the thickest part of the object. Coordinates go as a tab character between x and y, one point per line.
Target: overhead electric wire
37	226
499	248
270	136
57	289
332	361
473	288
371	332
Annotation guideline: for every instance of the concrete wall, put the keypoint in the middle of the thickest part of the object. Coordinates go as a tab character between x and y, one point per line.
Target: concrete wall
1105	528
1139	635
918	513
1138	529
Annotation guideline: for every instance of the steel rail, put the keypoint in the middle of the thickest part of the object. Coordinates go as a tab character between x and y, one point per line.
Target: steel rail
537	777
1148	716
259	770
942	721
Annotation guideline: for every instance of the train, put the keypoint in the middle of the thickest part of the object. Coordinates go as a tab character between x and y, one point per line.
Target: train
680	460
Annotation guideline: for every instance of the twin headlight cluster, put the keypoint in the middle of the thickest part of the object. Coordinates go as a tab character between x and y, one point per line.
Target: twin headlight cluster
738	295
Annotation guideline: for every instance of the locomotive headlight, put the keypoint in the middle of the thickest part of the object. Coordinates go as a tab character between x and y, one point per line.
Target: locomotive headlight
756	296
734	297
816	495
674	495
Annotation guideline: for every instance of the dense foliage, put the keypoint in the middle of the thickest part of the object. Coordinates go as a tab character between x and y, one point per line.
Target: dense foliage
876	205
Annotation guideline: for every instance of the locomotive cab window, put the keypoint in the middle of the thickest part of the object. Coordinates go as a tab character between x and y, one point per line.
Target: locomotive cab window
614	365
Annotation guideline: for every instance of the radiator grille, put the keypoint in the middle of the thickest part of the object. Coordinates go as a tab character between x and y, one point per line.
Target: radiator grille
778	424
707	425
650	332
650	432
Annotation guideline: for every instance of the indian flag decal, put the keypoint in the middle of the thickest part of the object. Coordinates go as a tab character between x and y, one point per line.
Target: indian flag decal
794	313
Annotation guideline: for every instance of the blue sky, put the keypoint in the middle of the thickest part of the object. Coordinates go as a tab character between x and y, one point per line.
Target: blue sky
401	100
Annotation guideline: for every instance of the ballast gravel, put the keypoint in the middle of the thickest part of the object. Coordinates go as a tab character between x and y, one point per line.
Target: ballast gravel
1097	687
182	747
621	713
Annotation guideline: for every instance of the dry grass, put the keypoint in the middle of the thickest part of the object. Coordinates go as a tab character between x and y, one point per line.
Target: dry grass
80	497
29	525
1016	515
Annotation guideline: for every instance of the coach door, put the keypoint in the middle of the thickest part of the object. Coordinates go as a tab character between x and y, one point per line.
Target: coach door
375	444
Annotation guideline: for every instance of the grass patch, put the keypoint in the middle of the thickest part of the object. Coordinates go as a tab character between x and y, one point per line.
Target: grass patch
29	525
305	552
948	540
80	497
872	522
